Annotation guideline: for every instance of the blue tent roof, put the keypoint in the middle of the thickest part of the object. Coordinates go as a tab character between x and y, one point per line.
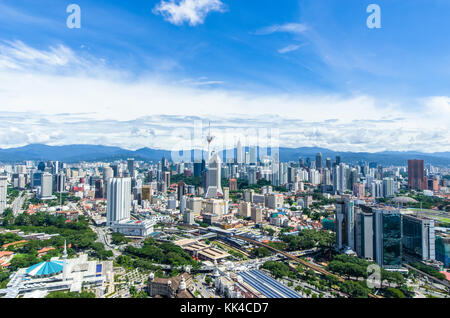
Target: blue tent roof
45	268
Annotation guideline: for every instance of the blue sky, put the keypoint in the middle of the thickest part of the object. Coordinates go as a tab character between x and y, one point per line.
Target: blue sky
308	60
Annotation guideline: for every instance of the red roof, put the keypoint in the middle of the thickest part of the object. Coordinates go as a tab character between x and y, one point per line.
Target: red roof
13	243
45	250
447	275
5	253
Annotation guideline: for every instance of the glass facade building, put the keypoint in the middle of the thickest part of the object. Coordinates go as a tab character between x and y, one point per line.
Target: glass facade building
388	231
443	249
419	237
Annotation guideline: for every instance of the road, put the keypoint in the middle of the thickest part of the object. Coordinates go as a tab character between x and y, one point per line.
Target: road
102	238
17	204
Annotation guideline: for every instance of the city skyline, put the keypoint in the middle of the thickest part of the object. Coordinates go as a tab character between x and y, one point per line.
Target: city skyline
318	74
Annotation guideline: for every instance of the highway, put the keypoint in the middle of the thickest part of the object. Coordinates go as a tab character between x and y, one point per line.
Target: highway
16	205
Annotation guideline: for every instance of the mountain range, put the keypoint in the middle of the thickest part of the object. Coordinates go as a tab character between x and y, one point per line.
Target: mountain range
77	153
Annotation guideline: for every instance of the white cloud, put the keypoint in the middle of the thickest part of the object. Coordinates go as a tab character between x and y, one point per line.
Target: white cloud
192	11
56	104
289	48
295	28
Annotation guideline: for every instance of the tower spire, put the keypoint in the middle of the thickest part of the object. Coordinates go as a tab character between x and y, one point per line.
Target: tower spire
209	139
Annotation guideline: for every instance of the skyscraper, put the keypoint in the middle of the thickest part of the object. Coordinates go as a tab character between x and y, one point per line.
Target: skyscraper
318	161
130	166
46	185
416	175
213	177
3	192
388	233
239	153
119	200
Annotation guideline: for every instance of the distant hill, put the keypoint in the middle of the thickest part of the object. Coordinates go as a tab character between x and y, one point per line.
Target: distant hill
76	153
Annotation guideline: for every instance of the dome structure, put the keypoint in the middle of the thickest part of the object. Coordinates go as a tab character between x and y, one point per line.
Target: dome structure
45	269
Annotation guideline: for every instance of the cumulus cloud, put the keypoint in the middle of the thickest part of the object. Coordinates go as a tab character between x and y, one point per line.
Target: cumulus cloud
54	106
193	12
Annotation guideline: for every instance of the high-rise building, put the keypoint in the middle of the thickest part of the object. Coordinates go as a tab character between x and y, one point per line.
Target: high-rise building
181	190
257	214
419	237
147	192
60	182
388	233
388	188
345	223
364	234
239	153
213	177
416	175
199	167
118	200
318	161
3	192
130	166
46	186
328	163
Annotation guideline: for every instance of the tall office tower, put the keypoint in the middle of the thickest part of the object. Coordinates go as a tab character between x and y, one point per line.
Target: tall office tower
308	162
253	155
166	178
99	189
318	161
3	192
116	170
301	162
419	237
36	179
181	190
352	178
340	178
60	182
345	223
199	167
164	164
252	175
291	174
41	166
328	163
388	233
388	188
364	234
239	153
130	166
55	167
46	185
213	177
338	160
416	175
119	200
